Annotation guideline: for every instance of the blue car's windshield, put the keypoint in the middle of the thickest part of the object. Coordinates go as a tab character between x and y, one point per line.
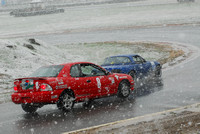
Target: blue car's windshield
47	71
116	60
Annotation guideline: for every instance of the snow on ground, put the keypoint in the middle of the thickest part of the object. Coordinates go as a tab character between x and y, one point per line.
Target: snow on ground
101	16
18	59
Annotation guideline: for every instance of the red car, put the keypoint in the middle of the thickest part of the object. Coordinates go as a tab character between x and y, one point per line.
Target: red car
68	83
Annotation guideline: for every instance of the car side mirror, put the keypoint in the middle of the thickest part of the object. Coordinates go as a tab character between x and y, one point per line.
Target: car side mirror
107	73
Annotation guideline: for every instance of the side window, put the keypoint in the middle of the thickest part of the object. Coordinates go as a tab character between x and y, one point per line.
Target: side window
141	59
91	70
75	72
138	60
127	60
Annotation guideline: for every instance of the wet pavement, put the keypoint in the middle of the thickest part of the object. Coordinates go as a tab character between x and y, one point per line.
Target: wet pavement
180	87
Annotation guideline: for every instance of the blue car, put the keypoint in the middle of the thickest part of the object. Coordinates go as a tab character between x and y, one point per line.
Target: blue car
134	65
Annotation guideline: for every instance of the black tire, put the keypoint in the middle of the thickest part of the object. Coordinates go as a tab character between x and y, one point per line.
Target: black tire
29	108
66	101
158	71
123	89
88	103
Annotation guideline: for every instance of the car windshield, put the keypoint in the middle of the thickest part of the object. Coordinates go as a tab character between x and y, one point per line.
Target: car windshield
116	60
47	71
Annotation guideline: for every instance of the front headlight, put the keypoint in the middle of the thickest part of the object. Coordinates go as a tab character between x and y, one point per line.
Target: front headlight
45	87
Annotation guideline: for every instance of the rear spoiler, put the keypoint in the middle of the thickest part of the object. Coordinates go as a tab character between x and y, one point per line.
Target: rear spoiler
33	78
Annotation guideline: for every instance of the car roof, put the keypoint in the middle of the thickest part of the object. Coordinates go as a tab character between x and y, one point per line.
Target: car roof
73	63
124	55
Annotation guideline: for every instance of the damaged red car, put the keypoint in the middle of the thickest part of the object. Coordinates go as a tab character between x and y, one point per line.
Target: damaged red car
69	83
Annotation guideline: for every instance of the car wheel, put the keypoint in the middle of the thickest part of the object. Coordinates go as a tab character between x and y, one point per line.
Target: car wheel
123	89
66	102
88	103
29	108
158	71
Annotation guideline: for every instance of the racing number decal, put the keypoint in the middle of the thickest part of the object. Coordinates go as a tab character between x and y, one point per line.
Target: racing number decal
98	83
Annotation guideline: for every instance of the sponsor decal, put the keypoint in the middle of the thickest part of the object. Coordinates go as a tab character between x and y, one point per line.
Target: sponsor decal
60	82
107	89
52	82
122	77
54	96
112	80
117	77
61	86
27	84
98	82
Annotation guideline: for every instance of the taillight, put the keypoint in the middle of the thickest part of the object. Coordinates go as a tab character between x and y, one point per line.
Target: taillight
15	88
45	87
16	82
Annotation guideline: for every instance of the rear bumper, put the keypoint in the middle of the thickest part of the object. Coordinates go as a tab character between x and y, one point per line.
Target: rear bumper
36	97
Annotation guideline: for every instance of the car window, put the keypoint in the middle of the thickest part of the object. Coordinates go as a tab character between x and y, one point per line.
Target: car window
138	59
75	72
47	71
91	70
116	60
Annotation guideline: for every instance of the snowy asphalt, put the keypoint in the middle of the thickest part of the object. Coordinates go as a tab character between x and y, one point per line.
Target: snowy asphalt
180	87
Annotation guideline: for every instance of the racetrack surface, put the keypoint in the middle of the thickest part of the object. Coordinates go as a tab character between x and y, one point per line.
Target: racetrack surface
180	87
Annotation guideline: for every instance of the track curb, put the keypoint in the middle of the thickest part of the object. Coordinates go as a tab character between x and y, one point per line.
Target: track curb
133	120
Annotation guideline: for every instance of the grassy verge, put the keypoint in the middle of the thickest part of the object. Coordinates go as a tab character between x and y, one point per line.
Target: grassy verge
160	51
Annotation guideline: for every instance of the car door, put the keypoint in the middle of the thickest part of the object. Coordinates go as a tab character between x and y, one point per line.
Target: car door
142	67
139	66
146	66
125	64
78	83
99	83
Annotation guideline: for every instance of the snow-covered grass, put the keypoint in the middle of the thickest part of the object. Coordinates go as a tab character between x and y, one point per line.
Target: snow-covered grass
101	16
